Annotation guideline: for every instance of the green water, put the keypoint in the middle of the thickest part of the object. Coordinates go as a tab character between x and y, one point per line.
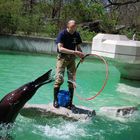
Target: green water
17	69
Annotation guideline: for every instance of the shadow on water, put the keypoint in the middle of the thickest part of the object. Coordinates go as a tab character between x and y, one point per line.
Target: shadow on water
77	110
132	83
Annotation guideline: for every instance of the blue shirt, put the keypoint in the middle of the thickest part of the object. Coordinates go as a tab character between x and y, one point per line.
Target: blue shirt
69	41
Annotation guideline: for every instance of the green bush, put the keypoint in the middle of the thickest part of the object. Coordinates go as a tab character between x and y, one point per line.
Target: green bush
130	32
50	29
30	24
86	35
9	15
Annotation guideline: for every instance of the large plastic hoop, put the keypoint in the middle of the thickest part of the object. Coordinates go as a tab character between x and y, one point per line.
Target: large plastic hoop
104	83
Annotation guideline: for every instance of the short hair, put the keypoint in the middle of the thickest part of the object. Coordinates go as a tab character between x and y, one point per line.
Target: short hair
71	21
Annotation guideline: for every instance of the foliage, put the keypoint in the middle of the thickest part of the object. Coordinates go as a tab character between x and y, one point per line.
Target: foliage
47	17
51	30
86	35
9	15
130	33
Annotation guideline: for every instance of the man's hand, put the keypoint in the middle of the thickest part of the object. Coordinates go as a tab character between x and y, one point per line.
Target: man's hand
82	60
79	54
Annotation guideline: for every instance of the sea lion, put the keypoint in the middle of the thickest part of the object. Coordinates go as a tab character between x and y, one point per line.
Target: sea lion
11	104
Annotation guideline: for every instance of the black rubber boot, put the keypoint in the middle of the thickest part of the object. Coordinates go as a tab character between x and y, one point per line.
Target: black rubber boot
55	102
71	90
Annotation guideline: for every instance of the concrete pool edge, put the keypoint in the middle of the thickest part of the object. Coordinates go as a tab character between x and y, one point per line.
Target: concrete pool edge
34	44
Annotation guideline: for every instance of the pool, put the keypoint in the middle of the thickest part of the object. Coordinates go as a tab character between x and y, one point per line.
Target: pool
19	68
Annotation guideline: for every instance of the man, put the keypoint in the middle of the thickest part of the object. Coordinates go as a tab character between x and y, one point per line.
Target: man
68	47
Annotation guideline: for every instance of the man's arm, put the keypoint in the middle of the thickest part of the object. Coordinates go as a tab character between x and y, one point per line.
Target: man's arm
64	50
67	51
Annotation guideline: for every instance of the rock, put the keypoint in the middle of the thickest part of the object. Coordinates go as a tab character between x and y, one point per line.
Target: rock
93	26
124	111
46	110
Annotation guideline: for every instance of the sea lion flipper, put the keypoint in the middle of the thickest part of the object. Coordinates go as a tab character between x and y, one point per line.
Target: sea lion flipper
43	78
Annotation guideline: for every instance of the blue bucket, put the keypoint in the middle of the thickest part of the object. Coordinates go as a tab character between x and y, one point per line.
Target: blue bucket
63	98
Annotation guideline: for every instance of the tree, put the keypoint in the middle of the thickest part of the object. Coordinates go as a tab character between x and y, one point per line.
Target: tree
47	17
128	15
9	15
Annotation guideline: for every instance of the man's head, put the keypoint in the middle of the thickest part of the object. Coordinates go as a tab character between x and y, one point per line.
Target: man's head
71	26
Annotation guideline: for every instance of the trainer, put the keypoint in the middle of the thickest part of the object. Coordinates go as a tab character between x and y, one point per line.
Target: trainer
68	47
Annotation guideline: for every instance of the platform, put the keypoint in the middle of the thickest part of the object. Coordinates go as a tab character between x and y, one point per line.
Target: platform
46	110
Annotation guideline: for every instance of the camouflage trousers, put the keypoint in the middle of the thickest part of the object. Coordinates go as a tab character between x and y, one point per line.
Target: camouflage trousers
62	64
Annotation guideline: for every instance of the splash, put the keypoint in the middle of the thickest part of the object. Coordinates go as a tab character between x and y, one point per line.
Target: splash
62	131
112	113
5	131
